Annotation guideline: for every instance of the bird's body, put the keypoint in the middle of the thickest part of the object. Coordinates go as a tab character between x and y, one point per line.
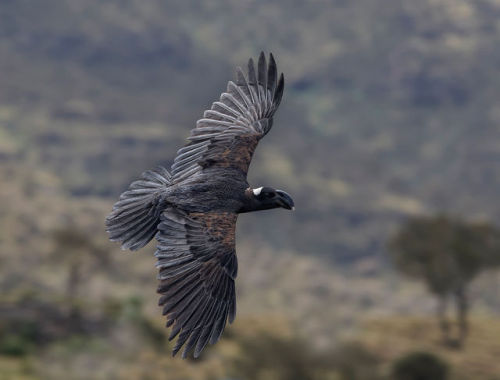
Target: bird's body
204	194
192	210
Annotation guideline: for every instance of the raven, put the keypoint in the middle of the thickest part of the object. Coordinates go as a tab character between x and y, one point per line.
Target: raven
192	211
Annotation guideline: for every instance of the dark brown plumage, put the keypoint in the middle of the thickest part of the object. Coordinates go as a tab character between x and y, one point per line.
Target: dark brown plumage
193	211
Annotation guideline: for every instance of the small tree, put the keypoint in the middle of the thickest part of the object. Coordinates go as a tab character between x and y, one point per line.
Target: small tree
447	254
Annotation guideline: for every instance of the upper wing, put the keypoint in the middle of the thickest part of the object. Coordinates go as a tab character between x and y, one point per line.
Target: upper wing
197	267
228	133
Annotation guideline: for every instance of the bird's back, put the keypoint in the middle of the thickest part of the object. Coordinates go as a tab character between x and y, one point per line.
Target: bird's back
211	190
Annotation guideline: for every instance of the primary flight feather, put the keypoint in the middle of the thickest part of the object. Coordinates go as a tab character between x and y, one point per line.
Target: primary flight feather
192	210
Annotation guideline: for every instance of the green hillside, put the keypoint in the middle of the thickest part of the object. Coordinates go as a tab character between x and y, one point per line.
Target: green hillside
389	110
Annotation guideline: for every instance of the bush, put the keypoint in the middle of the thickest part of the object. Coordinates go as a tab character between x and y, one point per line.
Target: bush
14	345
420	366
17	338
266	356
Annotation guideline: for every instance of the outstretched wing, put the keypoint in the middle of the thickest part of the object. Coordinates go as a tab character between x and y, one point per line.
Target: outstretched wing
228	133
197	267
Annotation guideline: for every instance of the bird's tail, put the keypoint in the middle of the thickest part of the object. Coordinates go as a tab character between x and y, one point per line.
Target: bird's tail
135	217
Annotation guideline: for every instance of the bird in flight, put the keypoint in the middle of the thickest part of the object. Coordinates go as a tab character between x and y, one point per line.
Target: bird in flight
192	210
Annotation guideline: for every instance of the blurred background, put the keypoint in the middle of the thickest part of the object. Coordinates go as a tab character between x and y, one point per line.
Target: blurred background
388	138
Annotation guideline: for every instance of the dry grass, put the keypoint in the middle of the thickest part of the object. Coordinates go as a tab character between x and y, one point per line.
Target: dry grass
395	336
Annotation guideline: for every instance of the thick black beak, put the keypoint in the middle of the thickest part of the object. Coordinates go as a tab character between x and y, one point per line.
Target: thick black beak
285	200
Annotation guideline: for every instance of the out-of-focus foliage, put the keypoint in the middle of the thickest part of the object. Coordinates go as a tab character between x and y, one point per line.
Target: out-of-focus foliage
420	366
392	338
445	253
268	357
77	252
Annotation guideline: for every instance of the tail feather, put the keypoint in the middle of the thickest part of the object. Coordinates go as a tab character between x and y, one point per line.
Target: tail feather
135	217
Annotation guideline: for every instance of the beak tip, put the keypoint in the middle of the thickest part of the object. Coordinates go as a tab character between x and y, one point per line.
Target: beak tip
285	200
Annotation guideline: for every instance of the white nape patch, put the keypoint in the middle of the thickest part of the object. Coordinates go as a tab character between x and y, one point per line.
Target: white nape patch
257	191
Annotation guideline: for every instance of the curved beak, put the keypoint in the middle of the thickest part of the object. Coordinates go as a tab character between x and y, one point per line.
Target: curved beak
285	200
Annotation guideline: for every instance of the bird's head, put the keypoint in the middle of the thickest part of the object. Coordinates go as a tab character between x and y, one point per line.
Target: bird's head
267	198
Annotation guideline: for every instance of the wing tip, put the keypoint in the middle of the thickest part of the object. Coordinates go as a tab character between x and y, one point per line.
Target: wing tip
266	76
262	69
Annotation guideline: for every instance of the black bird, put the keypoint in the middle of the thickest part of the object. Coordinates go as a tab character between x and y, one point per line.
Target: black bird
192	211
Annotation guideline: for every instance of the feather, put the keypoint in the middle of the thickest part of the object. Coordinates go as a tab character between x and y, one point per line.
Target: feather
196	288
135	216
219	326
279	92
180	294
216	115
205	334
198	330
262	78
272	74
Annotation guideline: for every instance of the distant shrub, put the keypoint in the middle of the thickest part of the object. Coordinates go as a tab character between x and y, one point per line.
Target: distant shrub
17	338
266	356
14	345
420	366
